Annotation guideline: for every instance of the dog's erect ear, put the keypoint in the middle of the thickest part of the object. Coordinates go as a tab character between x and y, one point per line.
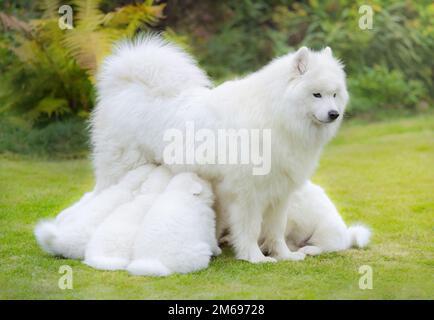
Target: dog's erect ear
301	60
328	51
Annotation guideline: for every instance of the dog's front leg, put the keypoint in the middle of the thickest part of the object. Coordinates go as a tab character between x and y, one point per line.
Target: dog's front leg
245	229
273	233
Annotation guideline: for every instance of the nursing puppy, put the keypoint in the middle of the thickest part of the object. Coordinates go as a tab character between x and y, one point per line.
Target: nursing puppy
110	247
315	226
66	213
177	235
68	234
148	87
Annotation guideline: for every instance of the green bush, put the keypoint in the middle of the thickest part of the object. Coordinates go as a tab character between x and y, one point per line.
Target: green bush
61	139
377	91
47	74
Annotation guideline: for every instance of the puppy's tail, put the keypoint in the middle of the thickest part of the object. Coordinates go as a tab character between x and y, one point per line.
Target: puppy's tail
160	68
46	234
148	267
359	236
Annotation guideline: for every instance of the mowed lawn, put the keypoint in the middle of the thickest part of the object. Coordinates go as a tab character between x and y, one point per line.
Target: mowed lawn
380	174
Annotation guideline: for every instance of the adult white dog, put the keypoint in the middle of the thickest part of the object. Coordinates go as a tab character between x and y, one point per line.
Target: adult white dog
149	86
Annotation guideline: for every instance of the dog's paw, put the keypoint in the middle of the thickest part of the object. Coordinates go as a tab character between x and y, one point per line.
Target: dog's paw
263	259
256	256
292	256
282	252
106	263
216	251
310	250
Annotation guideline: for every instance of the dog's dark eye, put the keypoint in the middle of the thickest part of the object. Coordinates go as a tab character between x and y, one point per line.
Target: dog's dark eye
317	95
334	95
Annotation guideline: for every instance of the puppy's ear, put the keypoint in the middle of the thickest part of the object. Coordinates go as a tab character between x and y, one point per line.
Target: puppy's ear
328	51
195	188
301	59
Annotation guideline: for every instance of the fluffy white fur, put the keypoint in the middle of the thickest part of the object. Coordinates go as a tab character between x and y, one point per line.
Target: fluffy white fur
110	247
66	213
148	86
315	226
177	234
68	234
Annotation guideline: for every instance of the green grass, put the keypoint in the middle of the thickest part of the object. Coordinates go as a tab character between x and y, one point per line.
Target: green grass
381	174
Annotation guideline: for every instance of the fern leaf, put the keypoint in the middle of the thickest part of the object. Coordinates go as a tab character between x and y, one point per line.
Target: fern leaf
50	8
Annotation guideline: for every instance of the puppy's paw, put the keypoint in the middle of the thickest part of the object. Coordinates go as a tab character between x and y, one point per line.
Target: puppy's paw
310	250
106	263
280	251
256	256
148	267
216	251
263	259
292	256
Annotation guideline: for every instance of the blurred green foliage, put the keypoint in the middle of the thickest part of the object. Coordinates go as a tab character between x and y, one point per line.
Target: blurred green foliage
381	90
47	74
66	139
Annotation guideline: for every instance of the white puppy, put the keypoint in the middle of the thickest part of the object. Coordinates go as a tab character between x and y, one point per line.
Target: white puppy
178	233
315	226
68	234
110	248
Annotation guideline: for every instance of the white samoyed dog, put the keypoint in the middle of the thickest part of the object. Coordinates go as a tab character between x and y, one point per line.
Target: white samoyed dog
110	247
69	233
177	235
315	226
149	86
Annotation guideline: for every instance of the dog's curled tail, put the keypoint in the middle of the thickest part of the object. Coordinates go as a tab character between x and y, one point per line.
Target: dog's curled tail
148	267
46	234
161	68
359	236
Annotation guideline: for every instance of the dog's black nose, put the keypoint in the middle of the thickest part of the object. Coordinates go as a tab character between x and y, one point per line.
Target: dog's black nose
333	114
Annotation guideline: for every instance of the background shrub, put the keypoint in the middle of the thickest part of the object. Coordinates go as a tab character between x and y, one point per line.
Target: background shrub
60	139
48	73
378	91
